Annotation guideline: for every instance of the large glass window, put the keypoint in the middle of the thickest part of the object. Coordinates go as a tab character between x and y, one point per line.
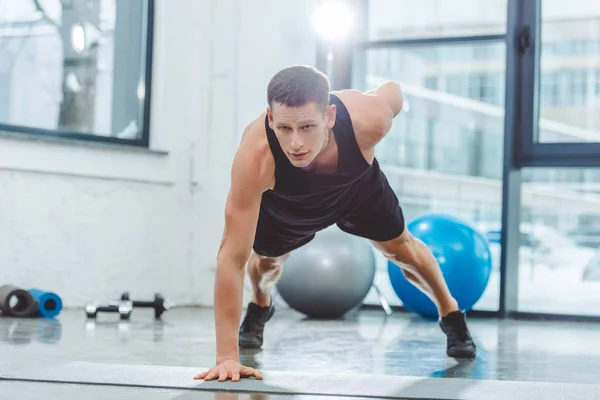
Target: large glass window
405	19
569	83
559	256
74	67
445	150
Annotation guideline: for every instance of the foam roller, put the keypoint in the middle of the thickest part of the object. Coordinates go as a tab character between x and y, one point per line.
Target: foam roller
49	304
24	306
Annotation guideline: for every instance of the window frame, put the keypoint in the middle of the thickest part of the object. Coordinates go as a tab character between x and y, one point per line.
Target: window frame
144	139
522	98
531	152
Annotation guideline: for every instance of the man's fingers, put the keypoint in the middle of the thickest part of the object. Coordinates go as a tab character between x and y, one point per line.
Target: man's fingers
258	375
212	375
202	375
248	372
223	373
223	376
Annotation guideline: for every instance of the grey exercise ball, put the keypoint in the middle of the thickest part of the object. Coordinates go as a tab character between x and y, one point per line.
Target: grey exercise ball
329	276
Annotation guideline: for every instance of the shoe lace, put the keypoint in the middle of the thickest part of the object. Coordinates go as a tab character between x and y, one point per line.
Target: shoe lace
252	322
459	331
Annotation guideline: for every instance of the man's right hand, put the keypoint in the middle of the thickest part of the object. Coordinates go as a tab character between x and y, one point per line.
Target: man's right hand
229	369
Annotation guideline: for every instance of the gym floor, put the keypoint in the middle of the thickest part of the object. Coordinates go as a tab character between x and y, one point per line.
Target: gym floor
367	342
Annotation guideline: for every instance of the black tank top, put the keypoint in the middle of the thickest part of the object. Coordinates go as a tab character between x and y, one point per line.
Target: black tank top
305	198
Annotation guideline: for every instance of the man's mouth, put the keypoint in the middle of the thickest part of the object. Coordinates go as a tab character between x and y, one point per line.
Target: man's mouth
299	156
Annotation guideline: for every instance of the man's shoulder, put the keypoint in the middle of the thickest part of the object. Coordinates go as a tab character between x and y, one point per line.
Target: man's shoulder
254	158
254	138
359	104
370	116
348	97
256	126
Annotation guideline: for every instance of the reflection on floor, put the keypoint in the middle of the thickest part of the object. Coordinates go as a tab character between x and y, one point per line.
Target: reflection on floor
367	342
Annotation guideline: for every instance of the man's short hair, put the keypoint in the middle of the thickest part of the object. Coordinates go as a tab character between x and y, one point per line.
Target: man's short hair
297	86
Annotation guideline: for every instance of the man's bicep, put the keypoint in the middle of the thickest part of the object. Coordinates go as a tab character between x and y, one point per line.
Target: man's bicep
241	213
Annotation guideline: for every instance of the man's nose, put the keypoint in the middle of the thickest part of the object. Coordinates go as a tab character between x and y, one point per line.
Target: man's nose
296	142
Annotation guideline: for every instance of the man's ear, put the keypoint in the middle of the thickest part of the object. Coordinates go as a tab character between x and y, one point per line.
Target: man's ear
270	115
331	114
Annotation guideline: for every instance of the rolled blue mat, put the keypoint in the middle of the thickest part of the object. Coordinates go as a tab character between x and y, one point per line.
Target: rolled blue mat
50	305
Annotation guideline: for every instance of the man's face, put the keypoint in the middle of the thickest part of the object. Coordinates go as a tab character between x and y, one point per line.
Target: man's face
302	131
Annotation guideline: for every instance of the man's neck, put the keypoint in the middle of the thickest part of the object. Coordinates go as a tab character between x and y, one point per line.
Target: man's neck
327	159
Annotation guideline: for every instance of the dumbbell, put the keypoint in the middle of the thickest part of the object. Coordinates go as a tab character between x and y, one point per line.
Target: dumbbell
158	304
124	308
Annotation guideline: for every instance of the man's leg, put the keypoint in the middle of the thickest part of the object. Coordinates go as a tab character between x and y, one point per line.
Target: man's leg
263	273
273	242
420	267
381	220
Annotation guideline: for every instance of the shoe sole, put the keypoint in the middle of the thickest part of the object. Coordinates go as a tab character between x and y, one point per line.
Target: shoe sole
249	345
462	355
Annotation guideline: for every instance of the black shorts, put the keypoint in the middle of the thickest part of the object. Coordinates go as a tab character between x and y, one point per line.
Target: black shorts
379	218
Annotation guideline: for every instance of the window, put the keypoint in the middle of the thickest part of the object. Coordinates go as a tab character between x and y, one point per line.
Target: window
431	83
445	150
558	266
401	19
457	85
77	69
549	90
568	73
485	87
578	87
492	88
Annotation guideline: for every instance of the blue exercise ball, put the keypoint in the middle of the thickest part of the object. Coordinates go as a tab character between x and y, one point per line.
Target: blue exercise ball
464	258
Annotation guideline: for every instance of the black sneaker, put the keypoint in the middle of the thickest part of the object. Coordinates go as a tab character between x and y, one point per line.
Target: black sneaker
251	330
460	343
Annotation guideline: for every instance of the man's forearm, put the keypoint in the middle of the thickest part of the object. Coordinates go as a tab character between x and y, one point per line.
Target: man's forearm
229	283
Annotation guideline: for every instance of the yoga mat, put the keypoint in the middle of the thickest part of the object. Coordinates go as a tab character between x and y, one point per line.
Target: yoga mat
49	304
301	383
24	307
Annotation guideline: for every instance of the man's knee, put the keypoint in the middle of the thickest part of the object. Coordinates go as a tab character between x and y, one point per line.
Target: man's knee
266	264
404	249
265	271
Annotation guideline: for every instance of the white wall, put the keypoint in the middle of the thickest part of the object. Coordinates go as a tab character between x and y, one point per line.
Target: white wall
89	221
